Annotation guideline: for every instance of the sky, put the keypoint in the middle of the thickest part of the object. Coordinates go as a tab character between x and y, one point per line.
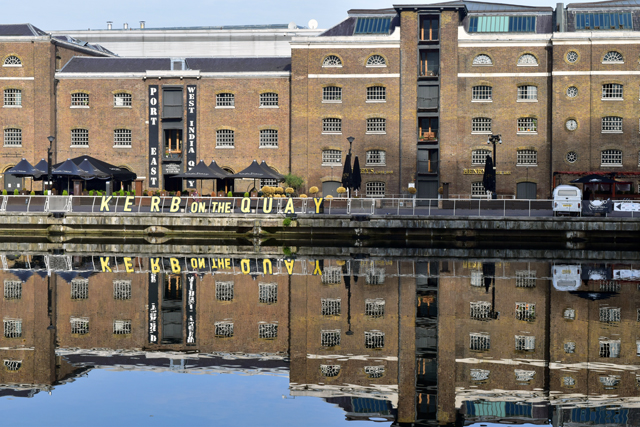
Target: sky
82	14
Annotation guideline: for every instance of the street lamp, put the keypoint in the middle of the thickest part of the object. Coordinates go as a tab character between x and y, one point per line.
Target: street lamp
350	139
493	139
50	159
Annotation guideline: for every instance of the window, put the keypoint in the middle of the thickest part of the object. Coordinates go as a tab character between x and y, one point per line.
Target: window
572	56
331	276
482	60
477	189
527	158
502	24
223	329
172	104
331	94
481	93
374	339
374	371
527	93
572	91
479	341
375	276
371	25
525	311
331	157
612	91
571	157
12	61
12	328
480	310
224	291
227	100
329	370
269	99
122	138
375	189
172	143
527	125
525	279
331	125
80	137
480	125
377	125
12	289
604	21
268	293
330	338
268	182
269	138
331	306
225	138
609	287
429	28
613	57
427	129
525	343
12	365
374	307
332	61
611	158
79	325
122	327
429	63
13	137
610	348
376	94
122	289
569	314
376	61
79	99
80	289
570	347
524	376
527	60
376	158
12	98
610	315
268	331
610	382
479	157
479	374
122	99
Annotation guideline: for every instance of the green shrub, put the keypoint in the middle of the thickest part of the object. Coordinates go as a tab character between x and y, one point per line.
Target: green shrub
286	222
64	192
293	181
91	192
229	194
286	250
133	192
246	194
33	193
4	192
128	193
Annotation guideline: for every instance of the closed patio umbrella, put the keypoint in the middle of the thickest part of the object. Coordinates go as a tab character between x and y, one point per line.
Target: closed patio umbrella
356	175
489	176
347	175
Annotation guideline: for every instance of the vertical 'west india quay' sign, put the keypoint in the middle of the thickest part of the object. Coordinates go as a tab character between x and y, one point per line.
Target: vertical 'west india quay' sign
153	136
191	132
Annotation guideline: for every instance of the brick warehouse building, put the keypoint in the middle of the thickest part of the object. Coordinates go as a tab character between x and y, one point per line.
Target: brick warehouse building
419	88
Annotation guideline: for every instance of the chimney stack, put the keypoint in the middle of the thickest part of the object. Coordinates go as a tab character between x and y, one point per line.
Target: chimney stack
142	25
125	26
109	25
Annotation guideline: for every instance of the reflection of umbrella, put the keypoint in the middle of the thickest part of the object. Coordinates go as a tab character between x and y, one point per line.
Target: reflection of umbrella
356	177
347	175
356	270
24	169
489	176
68	276
87	166
489	274
23	275
593	296
593	178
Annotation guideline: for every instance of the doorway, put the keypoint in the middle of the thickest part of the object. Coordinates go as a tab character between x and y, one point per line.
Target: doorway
526	190
330	188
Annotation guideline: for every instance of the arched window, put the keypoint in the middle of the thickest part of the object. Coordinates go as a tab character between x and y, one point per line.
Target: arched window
225	100
479	157
527	59
376	61
12	61
12	97
376	125
122	138
225	138
612	124
612	91
376	158
332	61
332	125
269	138
122	99
481	93
482	60
13	137
613	57
269	99
611	158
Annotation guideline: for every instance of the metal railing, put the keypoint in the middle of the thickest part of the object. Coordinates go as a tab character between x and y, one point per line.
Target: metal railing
110	205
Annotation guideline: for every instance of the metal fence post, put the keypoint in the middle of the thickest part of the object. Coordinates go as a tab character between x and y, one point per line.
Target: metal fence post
139	203
454	207
504	207
28	203
529	207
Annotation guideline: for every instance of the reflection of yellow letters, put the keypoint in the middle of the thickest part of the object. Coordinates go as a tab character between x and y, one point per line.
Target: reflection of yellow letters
244	265
267	267
104	203
317	202
155	263
202	263
155	204
245	206
266	208
175	204
289	264
227	263
128	265
104	262
194	263
317	270
289	207
128	202
175	264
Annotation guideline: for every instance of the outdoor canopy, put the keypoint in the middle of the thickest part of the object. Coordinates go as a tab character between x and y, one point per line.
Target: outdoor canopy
201	171
268	168
217	169
255	171
87	166
24	169
593	178
116	173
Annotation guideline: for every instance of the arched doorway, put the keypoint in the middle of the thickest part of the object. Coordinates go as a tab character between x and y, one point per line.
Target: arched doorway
12	182
526	190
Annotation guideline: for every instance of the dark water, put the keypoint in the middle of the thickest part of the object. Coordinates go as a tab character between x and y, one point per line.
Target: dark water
318	340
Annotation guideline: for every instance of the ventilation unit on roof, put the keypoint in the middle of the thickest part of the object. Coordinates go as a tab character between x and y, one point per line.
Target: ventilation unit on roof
142	25
109	25
125	26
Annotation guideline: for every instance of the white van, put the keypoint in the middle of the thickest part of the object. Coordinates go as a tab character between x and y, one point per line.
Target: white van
567	200
566	277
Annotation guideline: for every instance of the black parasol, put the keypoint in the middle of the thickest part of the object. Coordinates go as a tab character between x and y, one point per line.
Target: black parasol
489	176
347	174
593	178
24	169
356	175
88	167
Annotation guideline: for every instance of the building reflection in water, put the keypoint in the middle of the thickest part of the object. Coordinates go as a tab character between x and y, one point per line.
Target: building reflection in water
413	341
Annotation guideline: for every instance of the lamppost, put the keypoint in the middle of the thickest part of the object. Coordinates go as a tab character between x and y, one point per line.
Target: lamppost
50	159
350	139
493	139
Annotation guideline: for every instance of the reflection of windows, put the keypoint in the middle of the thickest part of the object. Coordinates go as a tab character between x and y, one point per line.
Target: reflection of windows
330	338
330	370
569	347
374	339
12	328
223	329
375	276
268	331
479	341
80	289
121	327
638	348
331	157
268	293
374	307
610	348
525	343
609	314
568	381
12	365
525	279
525	311
12	289
569	314
609	287
224	291
610	381
374	371
331	306
480	374
172	287
480	310
524	376
122	289
331	275
476	278
79	325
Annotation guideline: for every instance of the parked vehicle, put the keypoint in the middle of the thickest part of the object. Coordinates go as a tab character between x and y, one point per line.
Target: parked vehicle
566	277
567	200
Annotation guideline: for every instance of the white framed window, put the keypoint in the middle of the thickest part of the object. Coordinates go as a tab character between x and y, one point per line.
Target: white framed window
80	99
476	278
268	182
480	310
331	157
613	57
611	158
330	338
479	374
610	382
223	329
610	348
527	125
570	347
267	293
269	138
375	276
374	307
612	124
481	125
477	189
268	99
12	365
375	189
13	137
12	328
525	343
80	137
225	100
479	341
80	289
479	157
332	125
609	287
225	138
527	158
332	61
376	158
523	376
374	371
527	93
268	331
12	61
331	275
376	61
481	93
612	91
122	290
331	306
527	60
79	325
610	314
377	93
224	291
374	339
12	98
12	289
376	126
122	327
331	94
122	138
525	311
525	279
482	60
330	370
122	99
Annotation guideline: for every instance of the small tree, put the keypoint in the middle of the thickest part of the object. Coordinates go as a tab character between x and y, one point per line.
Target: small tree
293	181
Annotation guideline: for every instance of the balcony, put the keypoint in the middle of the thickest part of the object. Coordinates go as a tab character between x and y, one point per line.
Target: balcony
427	70
428	136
